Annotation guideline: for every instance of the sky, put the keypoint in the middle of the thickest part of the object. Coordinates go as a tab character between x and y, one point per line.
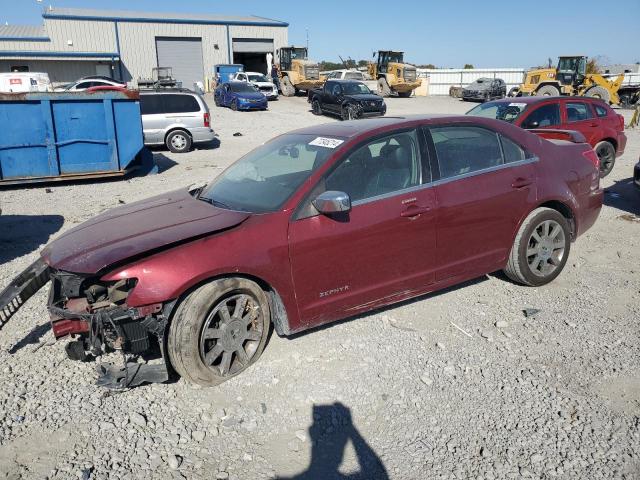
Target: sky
489	33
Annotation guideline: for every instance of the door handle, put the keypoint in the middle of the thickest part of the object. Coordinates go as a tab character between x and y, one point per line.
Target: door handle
521	182
414	211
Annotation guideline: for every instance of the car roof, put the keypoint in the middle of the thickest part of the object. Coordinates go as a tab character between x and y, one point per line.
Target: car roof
344	80
534	99
354	128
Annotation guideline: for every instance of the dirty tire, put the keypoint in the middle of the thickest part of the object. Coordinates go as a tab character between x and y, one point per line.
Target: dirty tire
518	266
178	141
607	155
187	331
383	88
404	94
234	105
288	90
315	107
547	91
599	92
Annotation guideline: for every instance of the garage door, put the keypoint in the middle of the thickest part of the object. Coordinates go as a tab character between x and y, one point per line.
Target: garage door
184	56
252	45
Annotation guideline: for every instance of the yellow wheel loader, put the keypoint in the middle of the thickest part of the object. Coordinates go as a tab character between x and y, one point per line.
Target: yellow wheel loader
393	75
569	78
297	72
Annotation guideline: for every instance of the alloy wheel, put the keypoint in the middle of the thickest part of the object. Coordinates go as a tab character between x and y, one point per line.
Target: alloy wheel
545	249
607	157
231	334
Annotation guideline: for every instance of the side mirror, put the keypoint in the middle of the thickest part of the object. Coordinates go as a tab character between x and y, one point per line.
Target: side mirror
332	202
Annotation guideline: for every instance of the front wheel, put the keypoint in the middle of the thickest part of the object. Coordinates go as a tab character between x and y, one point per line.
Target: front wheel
541	248
234	105
547	91
219	330
350	112
315	107
607	155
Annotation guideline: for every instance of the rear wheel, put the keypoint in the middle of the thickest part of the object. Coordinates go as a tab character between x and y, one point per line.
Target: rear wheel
541	248
218	331
288	90
178	141
547	91
607	154
383	87
599	92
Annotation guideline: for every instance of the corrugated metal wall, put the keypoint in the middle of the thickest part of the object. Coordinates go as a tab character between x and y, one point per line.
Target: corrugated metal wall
138	42
440	80
86	36
63	71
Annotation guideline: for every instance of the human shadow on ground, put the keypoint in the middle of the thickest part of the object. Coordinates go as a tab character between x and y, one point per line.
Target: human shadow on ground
330	433
31	338
624	196
22	234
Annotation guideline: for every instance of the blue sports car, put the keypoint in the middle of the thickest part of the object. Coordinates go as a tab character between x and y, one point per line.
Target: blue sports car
239	96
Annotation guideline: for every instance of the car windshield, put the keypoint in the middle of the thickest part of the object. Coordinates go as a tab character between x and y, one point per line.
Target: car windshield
355	88
481	81
264	179
499	110
353	75
258	78
242	87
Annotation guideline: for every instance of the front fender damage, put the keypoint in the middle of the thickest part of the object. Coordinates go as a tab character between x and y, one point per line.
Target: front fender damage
95	315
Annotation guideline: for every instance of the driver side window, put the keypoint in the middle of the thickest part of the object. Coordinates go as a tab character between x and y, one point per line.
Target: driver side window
385	165
545	116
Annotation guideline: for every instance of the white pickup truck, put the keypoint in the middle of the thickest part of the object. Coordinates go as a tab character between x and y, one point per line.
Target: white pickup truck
260	81
352	74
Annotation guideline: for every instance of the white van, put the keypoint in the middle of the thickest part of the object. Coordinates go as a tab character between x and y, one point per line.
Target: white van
21	82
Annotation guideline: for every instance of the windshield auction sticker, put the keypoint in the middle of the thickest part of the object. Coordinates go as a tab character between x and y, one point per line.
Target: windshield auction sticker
519	105
326	142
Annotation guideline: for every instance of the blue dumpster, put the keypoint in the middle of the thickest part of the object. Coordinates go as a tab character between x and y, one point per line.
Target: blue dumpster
62	136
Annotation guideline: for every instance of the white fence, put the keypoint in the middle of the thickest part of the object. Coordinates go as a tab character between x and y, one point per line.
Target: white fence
440	80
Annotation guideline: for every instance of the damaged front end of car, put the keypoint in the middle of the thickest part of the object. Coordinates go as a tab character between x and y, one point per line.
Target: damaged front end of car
94	314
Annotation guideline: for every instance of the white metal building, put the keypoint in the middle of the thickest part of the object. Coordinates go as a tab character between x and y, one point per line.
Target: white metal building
126	45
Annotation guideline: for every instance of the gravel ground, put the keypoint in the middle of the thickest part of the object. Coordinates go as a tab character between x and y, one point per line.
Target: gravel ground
458	384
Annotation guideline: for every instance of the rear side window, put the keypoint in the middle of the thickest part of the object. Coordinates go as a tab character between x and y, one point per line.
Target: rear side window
462	150
601	110
544	116
577	111
512	151
168	103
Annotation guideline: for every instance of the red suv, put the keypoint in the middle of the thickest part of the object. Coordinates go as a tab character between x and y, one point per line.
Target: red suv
601	126
313	226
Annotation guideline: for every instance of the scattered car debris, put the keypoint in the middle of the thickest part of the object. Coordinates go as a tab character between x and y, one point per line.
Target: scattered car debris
463	331
629	217
530	312
237	134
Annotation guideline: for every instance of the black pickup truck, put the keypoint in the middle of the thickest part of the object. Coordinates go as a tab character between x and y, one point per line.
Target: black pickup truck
349	99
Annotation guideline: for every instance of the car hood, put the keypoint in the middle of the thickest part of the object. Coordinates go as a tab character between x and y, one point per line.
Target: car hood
124	232
263	84
365	97
477	87
251	95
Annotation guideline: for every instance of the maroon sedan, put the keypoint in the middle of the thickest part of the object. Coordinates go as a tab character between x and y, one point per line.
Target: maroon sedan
601	126
314	226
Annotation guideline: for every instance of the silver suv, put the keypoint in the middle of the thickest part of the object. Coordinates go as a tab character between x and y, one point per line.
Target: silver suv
177	118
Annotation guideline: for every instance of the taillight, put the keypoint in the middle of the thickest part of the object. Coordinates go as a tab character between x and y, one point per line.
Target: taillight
592	157
621	120
207	120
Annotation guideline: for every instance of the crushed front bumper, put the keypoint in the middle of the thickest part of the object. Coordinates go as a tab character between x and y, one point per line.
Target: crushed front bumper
22	288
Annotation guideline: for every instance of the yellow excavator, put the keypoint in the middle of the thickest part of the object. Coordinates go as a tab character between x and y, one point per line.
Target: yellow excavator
570	77
297	72
393	75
